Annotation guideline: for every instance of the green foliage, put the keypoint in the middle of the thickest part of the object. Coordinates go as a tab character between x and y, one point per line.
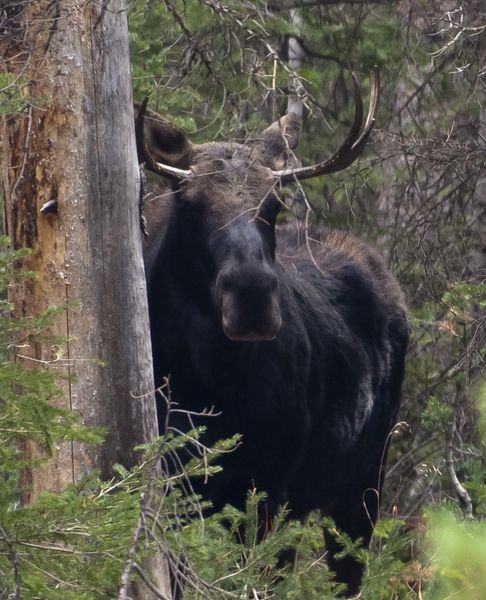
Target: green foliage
11	98
458	553
205	49
230	555
26	414
72	545
460	297
389	567
436	414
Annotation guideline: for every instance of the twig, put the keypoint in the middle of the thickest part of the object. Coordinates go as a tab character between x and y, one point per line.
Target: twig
123	593
461	492
148	583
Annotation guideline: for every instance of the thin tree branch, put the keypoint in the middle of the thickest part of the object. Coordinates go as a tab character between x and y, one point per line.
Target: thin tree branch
148	583
125	579
461	492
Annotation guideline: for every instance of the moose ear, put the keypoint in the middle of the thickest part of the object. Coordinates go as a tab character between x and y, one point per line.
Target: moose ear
166	143
279	138
269	209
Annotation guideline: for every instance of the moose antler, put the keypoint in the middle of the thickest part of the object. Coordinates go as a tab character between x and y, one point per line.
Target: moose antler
177	175
352	146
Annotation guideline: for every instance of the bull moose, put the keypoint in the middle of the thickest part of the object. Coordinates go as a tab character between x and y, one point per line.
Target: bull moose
295	336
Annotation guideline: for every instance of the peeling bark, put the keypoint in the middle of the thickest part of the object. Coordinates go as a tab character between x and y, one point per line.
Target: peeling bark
75	144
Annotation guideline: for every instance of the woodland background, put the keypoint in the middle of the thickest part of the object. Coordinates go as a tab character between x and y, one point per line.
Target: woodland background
219	70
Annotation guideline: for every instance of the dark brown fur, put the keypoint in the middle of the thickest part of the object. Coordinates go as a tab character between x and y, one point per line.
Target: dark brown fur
297	339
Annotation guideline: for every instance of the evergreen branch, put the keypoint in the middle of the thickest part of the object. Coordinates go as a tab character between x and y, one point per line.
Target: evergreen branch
14	558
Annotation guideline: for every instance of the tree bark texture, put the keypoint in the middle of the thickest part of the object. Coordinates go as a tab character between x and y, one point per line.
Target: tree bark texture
75	144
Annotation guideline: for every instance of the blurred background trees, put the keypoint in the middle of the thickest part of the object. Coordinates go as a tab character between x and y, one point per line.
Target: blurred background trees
220	70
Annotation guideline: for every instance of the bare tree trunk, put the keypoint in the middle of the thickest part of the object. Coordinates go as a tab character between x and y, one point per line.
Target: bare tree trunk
74	145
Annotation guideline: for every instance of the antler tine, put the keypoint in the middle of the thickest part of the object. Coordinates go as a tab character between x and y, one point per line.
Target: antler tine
352	146
346	146
360	143
177	175
374	93
357	121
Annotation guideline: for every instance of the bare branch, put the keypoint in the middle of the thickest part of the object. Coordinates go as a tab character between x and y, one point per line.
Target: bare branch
148	583
125	578
461	492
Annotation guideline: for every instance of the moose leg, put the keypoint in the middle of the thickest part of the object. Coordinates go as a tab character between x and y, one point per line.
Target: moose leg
355	516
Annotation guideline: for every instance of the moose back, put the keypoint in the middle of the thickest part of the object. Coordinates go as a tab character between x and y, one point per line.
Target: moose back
294	337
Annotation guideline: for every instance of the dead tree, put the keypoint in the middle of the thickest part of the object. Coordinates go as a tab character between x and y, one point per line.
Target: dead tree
72	151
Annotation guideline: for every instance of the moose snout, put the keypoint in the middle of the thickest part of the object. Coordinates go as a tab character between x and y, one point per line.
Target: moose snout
250	308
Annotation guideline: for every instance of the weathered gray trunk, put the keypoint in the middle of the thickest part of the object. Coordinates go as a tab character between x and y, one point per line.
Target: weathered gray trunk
80	151
76	145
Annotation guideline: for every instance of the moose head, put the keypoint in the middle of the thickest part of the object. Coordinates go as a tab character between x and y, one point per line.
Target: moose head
225	204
